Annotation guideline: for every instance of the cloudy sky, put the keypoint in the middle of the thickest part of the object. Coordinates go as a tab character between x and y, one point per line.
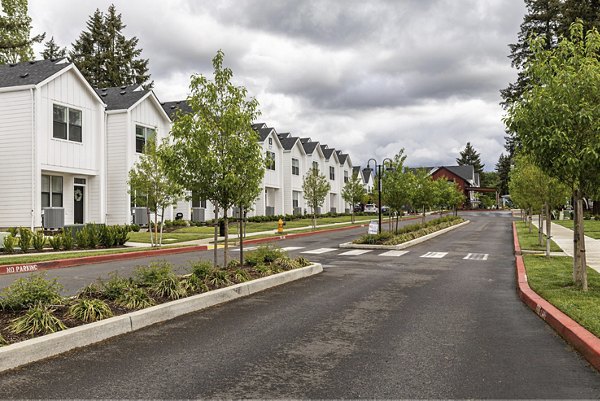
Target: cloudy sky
368	77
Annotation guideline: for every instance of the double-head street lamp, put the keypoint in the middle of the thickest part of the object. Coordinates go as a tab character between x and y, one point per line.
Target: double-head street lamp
379	174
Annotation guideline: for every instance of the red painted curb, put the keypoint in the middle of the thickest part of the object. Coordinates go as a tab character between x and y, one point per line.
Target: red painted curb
87	260
581	339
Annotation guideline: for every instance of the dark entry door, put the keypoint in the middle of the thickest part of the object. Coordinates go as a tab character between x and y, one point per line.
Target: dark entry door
78	203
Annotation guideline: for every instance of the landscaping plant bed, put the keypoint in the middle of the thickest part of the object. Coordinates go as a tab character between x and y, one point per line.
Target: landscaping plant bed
33	307
409	232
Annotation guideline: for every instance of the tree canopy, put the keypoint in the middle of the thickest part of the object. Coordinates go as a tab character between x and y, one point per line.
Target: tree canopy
15	32
353	192
315	188
105	57
53	51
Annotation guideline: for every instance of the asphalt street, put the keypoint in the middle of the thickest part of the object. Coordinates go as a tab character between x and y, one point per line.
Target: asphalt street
440	321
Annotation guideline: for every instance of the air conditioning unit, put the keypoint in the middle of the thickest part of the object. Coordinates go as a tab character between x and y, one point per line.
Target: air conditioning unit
297	211
270	210
140	216
53	218
198	214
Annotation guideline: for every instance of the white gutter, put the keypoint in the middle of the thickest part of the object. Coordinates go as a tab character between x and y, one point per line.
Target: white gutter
33	158
16	88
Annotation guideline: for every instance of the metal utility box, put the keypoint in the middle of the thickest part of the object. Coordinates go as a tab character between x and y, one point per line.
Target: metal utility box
198	214
53	218
140	216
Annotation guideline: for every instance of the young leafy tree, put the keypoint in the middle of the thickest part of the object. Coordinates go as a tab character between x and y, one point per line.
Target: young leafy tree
469	156
149	176
15	30
215	151
422	193
52	51
454	197
558	119
395	188
353	192
105	57
315	188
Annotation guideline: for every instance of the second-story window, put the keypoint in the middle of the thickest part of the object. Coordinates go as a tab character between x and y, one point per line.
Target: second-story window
270	160
345	176
142	136
332	173
295	167
315	166
66	123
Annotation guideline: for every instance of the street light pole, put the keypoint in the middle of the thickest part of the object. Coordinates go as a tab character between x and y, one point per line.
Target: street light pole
379	168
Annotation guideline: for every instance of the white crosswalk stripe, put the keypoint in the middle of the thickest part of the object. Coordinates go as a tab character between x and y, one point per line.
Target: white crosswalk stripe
320	251
250	248
476	256
435	255
355	252
292	248
394	253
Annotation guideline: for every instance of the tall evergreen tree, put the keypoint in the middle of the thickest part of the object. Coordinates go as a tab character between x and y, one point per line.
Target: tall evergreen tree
52	51
15	29
106	57
470	156
503	169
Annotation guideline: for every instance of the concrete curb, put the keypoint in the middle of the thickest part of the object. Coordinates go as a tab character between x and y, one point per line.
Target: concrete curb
35	349
407	243
581	339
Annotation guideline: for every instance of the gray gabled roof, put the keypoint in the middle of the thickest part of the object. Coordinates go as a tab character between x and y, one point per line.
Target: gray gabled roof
466	172
121	98
304	140
256	126
327	151
341	156
29	72
367	174
171	108
263	133
289	143
284	135
309	147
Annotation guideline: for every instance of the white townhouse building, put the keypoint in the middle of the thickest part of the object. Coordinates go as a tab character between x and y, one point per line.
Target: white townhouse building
295	167
134	116
332	173
346	174
52	146
271	201
314	159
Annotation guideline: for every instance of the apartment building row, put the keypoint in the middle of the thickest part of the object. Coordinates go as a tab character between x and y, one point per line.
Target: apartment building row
66	150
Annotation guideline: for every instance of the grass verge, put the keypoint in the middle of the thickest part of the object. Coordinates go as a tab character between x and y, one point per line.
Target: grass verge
530	242
552	279
590	227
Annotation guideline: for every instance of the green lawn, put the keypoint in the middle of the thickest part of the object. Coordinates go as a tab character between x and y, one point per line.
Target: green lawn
590	227
169	238
552	278
530	242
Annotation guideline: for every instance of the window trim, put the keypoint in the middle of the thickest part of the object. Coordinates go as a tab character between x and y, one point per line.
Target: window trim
296	168
331	173
51	192
145	130
270	160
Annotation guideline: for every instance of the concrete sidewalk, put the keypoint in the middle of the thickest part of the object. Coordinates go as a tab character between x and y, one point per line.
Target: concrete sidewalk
564	239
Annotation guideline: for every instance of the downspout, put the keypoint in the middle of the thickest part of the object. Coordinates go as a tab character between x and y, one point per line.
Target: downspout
33	158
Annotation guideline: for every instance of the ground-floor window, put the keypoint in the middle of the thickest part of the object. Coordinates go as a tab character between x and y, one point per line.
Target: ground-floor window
52	191
138	199
295	199
197	201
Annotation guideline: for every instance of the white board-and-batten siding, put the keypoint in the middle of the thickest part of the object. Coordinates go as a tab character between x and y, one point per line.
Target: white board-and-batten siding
16	158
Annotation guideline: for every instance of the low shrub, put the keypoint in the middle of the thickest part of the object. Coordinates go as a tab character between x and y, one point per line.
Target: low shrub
148	276
38	241
218	278
25	236
89	310
408	232
264	254
13	231
233	263
169	287
33	290
202	269
90	291
303	262
67	240
135	298
39	319
8	244
55	242
241	276
193	284
135	228
114	287
286	263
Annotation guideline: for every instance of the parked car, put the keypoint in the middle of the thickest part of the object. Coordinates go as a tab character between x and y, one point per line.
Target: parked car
384	209
370	208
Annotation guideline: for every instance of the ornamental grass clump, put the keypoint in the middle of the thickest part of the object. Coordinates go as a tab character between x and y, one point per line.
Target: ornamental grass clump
55	242
409	232
89	310
27	292
39	319
135	298
25	236
264	254
38	241
8	244
114	287
169	287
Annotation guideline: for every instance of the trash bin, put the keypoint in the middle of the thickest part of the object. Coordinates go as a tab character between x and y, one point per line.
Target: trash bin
221	228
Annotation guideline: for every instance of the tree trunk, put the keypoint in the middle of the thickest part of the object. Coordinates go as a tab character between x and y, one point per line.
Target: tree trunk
150	227
216	237
540	229
548	229
314	219
241	234
352	218
423	217
156	228
226	224
162	224
529	219
579	259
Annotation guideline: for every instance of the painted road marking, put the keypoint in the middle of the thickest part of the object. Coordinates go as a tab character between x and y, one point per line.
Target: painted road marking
292	248
355	252
476	256
320	250
435	255
394	253
250	248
